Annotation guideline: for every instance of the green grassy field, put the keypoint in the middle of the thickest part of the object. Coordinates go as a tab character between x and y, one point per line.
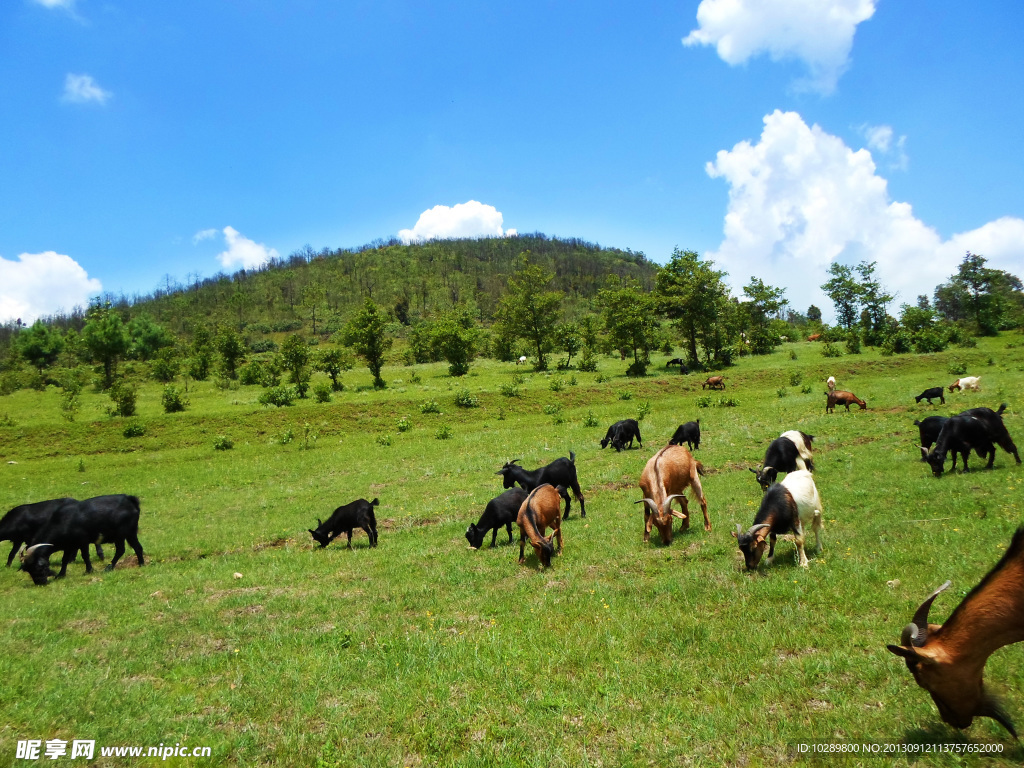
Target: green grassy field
239	635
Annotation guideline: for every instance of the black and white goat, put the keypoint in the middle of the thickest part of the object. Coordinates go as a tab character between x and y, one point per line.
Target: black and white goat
786	507
787	453
560	472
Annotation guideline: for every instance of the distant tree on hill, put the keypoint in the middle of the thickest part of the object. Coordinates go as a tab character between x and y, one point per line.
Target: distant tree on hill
765	305
231	348
631	320
40	345
146	337
105	338
845	294
989	298
456	337
531	311
694	294
367	334
333	362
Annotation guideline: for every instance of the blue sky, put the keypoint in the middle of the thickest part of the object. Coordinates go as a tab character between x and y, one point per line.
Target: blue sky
139	140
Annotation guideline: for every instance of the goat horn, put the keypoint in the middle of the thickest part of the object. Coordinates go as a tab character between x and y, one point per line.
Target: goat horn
916	633
650	503
667	503
739	529
28	552
755	528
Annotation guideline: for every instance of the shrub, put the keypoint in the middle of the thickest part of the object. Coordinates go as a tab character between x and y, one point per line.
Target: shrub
223	443
384	440
807	389
853	343
554	410
463	399
957	367
637	369
642	410
286	437
123	396
590	420
251	374
728	402
262	345
134	429
443	432
781	392
556	385
625	395
704	401
430	406
322	392
173	401
587	361
277	396
600	378
309	437
795	378
509	390
828	349
792	355
404	425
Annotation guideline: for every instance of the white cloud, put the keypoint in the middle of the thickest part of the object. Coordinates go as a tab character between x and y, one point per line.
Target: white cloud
82	89
470	219
817	32
41	284
880	138
69	4
206	234
241	252
800	199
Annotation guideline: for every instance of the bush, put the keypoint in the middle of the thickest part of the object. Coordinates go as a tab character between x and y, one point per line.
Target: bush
957	367
134	429
642	410
587	361
853	343
173	401
704	401
781	392
430	406
322	393
625	395
807	389
590	420
509	390
384	440
277	396
286	437
828	349
123	396
443	433
795	378
463	399
554	410
223	443
404	425
637	369
556	385
262	345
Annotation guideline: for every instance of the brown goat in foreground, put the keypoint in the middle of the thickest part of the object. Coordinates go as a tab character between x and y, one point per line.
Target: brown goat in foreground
948	660
836	397
667	475
541	510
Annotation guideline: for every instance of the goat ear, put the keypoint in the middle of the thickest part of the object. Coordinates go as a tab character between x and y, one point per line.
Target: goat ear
906	653
677	513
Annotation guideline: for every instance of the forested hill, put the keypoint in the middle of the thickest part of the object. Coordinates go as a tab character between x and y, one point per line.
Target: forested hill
416	280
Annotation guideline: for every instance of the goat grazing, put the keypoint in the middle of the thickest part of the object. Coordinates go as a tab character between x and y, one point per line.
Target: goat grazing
560	472
928	394
357	514
787	453
977	429
966	382
666	476
840	397
20	524
74	525
541	510
521	360
929	429
831	383
688	433
787	507
948	660
714	382
622	432
501	510
680	362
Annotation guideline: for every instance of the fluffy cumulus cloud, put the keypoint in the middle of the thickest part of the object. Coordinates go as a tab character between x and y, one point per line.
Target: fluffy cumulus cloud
882	140
800	199
816	32
40	284
82	89
241	251
471	219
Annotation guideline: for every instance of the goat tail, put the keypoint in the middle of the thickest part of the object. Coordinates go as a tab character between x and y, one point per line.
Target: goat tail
700	469
572	457
1002	408
375	502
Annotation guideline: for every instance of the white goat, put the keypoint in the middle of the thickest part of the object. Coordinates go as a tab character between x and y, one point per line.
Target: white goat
831	383
966	382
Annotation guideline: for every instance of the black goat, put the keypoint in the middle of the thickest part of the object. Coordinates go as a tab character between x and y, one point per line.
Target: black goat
688	433
929	429
928	394
501	510
680	362
74	525
622	432
20	524
560	472
977	429
358	514
787	453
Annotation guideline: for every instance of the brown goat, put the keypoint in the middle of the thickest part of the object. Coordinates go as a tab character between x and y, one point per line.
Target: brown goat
948	660
667	475
840	397
714	382
541	510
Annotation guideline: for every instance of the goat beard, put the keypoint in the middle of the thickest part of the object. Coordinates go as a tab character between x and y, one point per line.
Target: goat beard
992	707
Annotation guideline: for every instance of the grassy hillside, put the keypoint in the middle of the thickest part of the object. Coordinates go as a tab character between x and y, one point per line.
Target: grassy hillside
239	635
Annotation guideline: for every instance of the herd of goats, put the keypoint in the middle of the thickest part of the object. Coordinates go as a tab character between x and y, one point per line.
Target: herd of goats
947	660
